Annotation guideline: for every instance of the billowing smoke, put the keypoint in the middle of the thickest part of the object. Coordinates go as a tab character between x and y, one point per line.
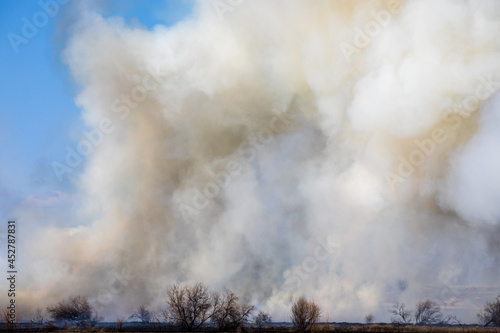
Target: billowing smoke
344	150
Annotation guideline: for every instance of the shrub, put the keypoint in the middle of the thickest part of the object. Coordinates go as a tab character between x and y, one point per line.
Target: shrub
304	314
369	318
119	323
76	310
262	318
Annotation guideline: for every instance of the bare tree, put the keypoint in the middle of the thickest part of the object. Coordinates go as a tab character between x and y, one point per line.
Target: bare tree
304	314
77	309
228	313
189	306
119	323
451	320
262	318
490	313
401	315
163	316
6	318
39	317
428	312
143	314
369	318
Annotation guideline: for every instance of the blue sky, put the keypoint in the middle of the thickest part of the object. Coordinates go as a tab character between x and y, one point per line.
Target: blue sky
38	116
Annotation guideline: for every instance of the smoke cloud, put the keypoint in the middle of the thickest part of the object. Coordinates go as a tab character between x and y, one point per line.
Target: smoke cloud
344	150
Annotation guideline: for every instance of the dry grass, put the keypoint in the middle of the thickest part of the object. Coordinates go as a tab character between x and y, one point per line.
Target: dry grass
319	328
375	328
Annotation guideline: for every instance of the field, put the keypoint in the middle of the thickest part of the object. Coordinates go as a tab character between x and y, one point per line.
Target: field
285	328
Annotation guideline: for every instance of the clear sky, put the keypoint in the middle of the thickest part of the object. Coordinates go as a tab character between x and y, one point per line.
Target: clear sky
38	116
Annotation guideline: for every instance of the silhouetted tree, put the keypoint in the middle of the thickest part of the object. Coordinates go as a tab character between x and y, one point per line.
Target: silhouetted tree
400	314
77	310
228	313
142	314
428	312
5	318
262	318
119	323
189	307
39	317
490	313
304	314
369	318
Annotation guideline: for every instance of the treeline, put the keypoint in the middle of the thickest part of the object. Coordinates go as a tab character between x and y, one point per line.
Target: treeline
188	307
195	308
428	313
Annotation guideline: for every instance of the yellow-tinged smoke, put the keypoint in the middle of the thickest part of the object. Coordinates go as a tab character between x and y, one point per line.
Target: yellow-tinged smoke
346	150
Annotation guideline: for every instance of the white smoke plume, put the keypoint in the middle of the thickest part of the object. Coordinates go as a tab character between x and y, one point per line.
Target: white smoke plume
344	150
